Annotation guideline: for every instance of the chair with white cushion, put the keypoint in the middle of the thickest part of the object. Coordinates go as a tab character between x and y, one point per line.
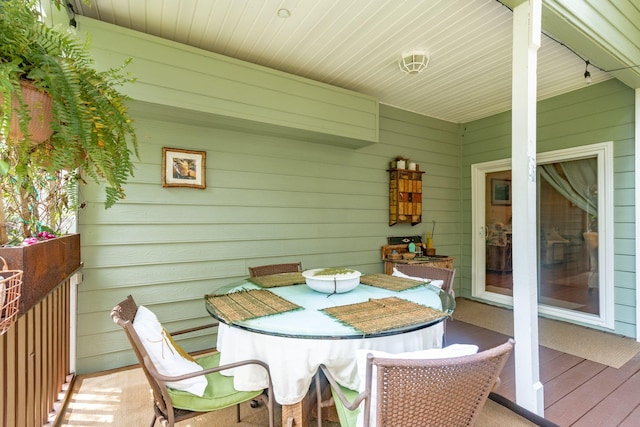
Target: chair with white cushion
436	387
422	271
183	387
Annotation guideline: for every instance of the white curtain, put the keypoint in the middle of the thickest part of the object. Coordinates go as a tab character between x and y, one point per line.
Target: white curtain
576	180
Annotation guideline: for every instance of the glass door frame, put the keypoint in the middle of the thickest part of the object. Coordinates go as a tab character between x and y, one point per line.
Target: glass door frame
604	153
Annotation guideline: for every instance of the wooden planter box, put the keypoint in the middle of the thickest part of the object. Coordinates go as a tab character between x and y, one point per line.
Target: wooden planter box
45	265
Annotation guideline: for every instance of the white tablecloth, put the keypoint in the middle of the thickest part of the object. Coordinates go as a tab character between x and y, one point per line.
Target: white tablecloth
294	361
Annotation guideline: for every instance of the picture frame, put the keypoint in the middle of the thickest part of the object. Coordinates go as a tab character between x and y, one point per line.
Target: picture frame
183	168
501	192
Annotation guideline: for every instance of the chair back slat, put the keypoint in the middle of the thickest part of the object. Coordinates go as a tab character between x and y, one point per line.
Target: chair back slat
265	270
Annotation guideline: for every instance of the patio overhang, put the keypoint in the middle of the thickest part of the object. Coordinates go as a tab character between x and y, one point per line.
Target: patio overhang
594	31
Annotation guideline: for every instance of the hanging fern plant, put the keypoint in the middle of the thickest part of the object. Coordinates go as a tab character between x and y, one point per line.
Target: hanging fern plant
92	133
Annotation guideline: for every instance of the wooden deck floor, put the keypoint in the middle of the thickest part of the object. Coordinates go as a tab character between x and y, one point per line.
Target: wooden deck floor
577	392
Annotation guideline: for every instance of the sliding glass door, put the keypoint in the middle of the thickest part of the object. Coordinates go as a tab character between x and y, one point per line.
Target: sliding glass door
574	225
568	248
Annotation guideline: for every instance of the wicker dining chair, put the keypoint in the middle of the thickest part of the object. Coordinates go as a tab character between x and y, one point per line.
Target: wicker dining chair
219	392
419	392
265	270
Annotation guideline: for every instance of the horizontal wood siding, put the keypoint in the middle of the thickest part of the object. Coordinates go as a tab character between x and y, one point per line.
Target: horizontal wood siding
268	199
598	113
233	91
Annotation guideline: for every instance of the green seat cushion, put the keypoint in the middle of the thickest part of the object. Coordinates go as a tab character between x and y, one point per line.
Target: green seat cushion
218	394
347	418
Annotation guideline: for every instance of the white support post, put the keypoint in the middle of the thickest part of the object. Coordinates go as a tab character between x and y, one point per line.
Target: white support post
526	41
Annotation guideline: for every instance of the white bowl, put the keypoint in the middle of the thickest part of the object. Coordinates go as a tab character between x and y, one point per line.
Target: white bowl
332	283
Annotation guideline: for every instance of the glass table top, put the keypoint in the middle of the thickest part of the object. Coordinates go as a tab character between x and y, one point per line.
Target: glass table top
311	322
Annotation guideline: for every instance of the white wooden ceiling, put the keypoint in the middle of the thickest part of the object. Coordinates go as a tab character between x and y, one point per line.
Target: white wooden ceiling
356	44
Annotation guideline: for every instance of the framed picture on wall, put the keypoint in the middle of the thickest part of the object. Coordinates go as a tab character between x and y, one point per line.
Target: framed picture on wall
501	192
183	168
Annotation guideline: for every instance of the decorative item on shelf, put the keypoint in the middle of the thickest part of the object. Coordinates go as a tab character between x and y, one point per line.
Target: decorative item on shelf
403	240
403	163
429	240
411	251
419	250
332	280
10	291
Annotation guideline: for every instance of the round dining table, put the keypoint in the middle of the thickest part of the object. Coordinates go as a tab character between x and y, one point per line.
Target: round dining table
296	342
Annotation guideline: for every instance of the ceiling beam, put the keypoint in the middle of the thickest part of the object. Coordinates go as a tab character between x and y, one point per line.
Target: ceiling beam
512	4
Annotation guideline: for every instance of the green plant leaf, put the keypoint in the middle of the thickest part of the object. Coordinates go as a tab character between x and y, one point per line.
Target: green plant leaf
92	130
4	167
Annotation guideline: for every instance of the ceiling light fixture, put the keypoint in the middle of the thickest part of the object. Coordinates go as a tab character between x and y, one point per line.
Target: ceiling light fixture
284	13
587	74
414	62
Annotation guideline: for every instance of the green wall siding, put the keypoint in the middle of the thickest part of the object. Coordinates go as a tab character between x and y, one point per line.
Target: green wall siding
287	184
598	113
268	199
272	199
234	93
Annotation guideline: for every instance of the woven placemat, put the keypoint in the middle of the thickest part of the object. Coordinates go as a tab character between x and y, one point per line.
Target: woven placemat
280	279
377	315
248	304
392	283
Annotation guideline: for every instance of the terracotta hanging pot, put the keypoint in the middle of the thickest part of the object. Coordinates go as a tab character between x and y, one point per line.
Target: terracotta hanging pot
39	105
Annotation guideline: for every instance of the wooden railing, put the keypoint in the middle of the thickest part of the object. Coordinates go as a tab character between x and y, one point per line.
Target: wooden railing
35	361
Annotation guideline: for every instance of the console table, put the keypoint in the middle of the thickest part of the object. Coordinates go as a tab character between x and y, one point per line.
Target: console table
441	261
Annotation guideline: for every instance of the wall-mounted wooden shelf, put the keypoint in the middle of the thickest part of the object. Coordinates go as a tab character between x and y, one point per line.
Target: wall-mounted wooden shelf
405	196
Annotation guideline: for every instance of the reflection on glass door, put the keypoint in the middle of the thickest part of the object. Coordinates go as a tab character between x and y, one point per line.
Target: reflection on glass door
568	234
498	235
568	243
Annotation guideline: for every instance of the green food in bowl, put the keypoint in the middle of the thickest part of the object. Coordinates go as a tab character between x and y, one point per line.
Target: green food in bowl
333	271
